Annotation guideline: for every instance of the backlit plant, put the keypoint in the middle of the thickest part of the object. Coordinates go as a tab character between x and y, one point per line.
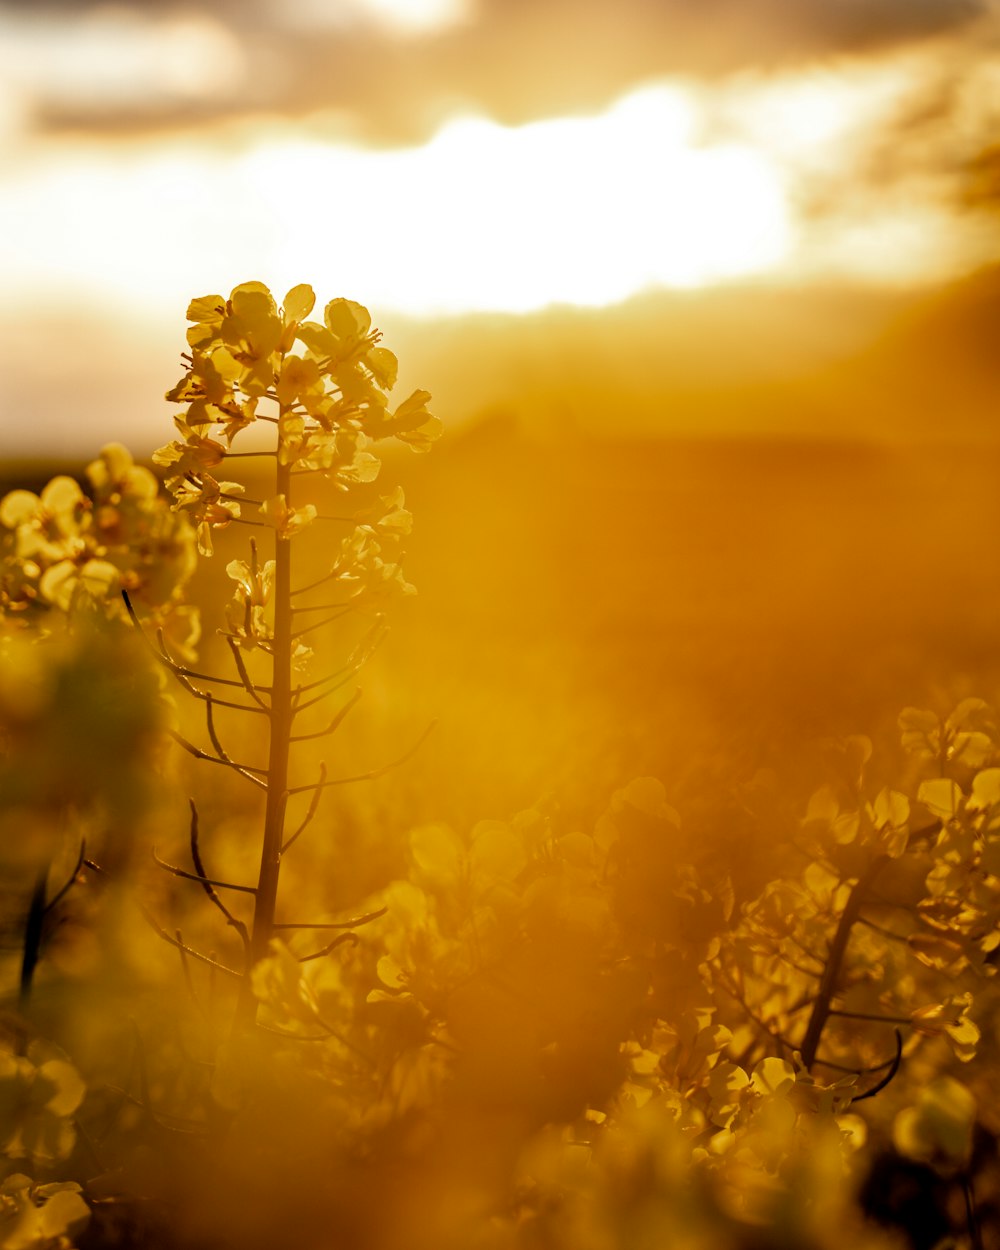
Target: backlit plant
560	1035
321	389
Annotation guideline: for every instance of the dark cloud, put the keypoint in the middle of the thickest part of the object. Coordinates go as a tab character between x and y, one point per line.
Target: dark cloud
516	60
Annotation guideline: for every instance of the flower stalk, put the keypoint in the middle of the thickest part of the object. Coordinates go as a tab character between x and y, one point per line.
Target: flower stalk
323	387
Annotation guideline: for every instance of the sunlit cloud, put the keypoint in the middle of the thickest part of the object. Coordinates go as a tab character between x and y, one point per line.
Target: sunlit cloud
113	58
402	17
832	173
576	210
818	115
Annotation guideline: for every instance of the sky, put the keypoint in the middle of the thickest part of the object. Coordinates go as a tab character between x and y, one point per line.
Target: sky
443	159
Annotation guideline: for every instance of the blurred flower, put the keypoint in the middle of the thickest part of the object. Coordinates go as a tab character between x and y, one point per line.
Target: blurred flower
937	1127
40	1217
39	1093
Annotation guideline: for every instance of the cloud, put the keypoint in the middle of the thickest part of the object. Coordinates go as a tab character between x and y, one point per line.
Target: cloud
397	67
109	61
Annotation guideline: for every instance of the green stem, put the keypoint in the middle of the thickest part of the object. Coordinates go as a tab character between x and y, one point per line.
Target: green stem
280	720
831	973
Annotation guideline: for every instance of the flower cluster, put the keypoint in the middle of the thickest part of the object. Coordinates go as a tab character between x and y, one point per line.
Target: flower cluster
323	385
40	1093
69	550
40	1217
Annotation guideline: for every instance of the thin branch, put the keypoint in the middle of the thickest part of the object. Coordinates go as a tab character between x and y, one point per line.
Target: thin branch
337	1036
322	607
327	620
879	901
213	736
869	1015
202	881
182	669
313	806
893	1069
209	885
355	923
348	674
183	674
783	1043
838	949
821	960
359	656
334	725
248	685
842	1067
331	946
185	969
71	879
372	773
161	653
203	695
244	770
877	928
191	1128
157	928
329	1032
971	1215
320	581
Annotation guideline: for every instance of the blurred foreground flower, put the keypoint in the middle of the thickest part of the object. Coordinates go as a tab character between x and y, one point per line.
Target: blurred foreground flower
40	1092
40	1217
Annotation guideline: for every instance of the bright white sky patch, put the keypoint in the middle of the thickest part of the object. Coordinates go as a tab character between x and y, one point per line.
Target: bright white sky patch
675	185
578	210
400	17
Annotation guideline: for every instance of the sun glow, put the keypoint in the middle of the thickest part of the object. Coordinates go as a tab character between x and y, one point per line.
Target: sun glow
578	210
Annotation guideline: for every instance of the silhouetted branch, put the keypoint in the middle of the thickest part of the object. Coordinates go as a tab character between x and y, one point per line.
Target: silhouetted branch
320	581
838	949
872	1016
244	770
71	880
158	929
209	885
893	1069
313	806
334	725
354	923
843	1067
203	881
162	653
203	695
327	620
361	654
186	970
249	686
331	946
887	933
213	736
322	607
372	773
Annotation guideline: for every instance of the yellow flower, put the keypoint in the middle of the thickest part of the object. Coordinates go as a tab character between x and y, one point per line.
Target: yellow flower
950	1019
40	1092
49	526
209	504
287	521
